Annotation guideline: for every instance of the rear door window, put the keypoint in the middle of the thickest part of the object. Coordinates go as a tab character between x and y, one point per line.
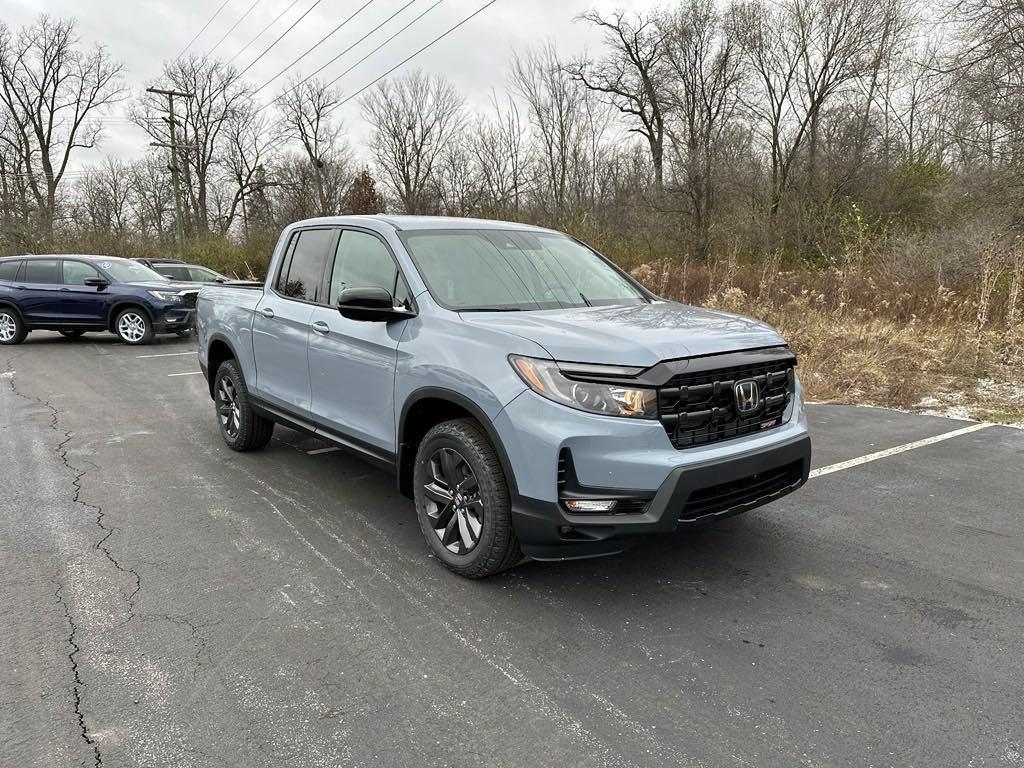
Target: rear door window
42	271
9	270
302	273
76	272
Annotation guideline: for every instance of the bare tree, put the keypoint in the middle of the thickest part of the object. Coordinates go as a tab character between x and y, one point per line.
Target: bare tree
306	108
414	117
801	54
569	128
500	147
51	90
249	148
706	74
630	77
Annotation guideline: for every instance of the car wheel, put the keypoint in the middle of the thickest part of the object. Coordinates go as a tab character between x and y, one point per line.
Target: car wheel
462	501
134	327
240	426
12	328
72	334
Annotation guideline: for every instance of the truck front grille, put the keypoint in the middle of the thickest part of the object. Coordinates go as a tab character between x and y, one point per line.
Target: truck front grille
699	407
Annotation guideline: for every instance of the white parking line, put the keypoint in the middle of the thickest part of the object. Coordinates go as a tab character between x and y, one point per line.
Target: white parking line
187	373
167	354
898	449
318	451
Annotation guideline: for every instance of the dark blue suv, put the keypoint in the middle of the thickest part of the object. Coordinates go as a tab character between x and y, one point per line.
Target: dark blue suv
79	294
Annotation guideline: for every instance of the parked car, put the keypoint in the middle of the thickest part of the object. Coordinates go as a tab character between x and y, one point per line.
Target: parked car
191	273
533	399
80	294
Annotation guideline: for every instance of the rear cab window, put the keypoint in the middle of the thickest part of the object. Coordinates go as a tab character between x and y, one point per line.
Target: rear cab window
302	269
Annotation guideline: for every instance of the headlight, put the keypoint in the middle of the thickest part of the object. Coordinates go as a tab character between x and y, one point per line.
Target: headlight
545	378
165	295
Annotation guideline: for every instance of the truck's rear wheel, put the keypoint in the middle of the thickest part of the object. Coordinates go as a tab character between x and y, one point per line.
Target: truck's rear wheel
241	427
462	501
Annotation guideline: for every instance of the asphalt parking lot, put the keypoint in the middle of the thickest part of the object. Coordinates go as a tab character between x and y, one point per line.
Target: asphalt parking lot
166	602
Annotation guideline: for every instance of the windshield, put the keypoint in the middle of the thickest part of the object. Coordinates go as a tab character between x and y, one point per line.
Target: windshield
479	270
131	272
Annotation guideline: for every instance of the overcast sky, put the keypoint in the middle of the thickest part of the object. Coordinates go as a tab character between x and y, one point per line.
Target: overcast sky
145	33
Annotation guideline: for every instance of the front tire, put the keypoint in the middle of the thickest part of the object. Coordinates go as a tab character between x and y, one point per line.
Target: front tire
241	427
12	327
462	501
133	326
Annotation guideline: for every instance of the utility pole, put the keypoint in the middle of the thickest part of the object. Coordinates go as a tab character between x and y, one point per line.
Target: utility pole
174	147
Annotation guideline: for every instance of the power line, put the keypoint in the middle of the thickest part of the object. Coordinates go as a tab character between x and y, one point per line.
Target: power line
263	31
409	58
332	82
279	38
322	40
200	32
233	27
306	79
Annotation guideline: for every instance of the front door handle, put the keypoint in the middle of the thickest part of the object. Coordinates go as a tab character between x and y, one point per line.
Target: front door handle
64	290
321	327
268	313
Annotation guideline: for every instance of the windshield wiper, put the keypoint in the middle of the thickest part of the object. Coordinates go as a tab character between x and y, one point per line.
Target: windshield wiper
491	309
585	299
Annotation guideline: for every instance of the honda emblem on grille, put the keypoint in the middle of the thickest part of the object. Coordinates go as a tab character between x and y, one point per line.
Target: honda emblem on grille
748	396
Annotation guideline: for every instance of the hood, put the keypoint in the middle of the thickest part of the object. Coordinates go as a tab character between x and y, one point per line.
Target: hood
638	335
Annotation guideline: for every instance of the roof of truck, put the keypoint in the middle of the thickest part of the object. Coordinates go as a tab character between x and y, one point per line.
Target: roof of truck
421	222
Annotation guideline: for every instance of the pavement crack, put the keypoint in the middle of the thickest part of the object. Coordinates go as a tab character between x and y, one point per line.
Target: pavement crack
77	684
62	451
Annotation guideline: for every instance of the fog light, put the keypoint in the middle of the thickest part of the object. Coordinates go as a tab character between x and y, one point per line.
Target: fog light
589	505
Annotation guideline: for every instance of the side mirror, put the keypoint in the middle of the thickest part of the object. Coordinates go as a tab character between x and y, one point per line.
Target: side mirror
371	305
221	280
96	282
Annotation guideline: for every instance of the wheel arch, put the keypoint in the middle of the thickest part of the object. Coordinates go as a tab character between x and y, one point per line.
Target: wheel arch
218	351
8	304
429	406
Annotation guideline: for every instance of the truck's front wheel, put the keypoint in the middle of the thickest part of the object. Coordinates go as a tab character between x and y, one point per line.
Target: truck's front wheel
462	501
241	427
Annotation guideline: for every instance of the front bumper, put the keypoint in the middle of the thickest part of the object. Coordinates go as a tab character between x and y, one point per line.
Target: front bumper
633	459
174	318
690	495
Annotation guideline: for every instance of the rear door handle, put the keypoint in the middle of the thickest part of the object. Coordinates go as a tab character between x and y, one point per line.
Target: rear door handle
321	327
268	313
64	290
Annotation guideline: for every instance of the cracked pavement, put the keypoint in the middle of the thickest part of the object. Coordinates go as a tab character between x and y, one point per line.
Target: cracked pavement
164	601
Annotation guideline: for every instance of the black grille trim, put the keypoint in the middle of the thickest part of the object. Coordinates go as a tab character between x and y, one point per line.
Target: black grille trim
699	408
734	495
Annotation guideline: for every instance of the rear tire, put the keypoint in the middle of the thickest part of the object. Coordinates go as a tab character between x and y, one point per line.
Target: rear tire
240	426
462	501
133	326
72	334
12	327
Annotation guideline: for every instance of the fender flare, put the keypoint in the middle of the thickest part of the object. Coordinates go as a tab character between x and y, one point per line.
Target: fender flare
218	337
450	395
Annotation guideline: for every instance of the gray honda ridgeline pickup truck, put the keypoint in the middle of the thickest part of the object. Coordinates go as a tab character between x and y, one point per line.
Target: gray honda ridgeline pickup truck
533	399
